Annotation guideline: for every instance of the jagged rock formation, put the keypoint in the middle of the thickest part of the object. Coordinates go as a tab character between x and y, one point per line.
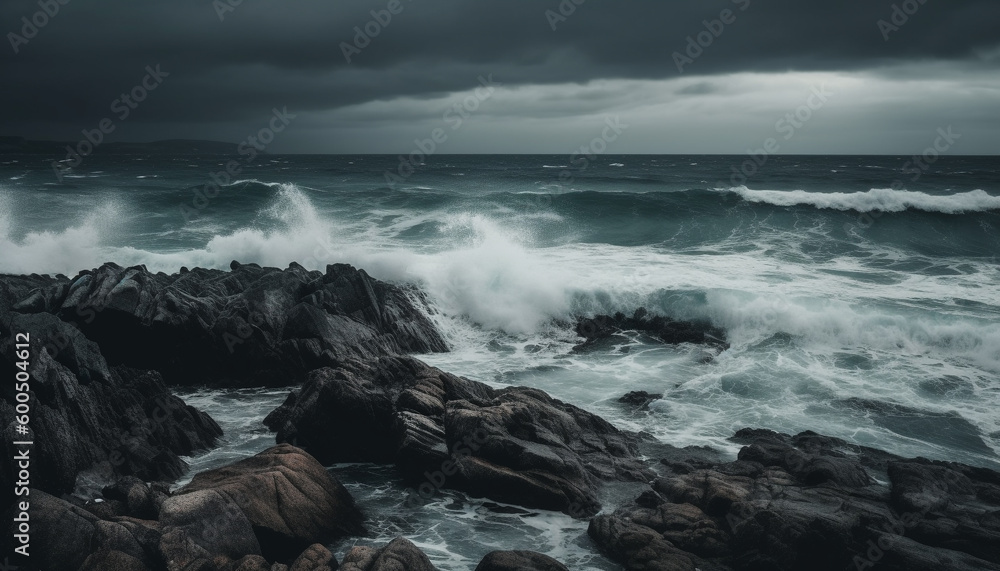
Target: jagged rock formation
808	502
515	445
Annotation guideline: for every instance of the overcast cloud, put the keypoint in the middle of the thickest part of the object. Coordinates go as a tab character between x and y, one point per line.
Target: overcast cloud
938	68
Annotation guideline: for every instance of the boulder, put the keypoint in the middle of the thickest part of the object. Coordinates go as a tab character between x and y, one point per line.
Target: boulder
399	555
519	561
61	534
315	558
515	445
281	499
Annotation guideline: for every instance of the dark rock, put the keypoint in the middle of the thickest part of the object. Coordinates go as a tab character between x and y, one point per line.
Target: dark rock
252	563
136	497
61	534
400	554
109	560
809	502
277	506
86	415
250	327
519	561
203	525
639	399
958	505
516	445
315	558
288	499
683	460
663	328
636	546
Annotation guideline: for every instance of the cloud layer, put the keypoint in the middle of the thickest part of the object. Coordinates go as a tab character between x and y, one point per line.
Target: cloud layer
228	72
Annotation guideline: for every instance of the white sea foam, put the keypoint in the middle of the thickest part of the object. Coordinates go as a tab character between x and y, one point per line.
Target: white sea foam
876	199
76	247
503	303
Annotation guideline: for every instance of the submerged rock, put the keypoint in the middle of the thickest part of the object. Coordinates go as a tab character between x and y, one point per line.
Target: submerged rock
809	502
515	445
639	399
663	328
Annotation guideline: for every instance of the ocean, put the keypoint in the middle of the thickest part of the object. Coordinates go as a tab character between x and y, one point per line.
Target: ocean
860	294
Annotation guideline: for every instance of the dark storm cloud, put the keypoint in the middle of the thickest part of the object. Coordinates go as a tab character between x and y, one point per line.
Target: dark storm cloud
289	52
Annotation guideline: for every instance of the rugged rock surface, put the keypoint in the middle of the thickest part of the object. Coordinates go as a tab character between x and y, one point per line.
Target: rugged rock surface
105	343
275	510
519	561
515	445
251	326
285	496
398	555
808	502
639	399
663	328
85	414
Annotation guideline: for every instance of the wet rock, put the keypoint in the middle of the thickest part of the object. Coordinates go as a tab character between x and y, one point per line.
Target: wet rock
400	554
285	496
205	524
636	546
252	326
808	502
519	561
663	328
86	415
61	534
515	445
639	399
315	558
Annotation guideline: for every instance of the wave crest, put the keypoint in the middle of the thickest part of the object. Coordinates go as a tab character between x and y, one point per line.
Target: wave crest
875	200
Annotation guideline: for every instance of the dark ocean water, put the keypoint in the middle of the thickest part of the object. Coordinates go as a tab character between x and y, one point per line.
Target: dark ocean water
861	300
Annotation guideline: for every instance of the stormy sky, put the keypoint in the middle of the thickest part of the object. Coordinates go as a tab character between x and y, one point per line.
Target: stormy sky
686	76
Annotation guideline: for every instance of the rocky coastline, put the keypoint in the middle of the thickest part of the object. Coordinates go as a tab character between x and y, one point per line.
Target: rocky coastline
108	345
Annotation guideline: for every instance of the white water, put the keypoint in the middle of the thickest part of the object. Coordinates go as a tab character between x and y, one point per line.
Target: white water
876	199
806	334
